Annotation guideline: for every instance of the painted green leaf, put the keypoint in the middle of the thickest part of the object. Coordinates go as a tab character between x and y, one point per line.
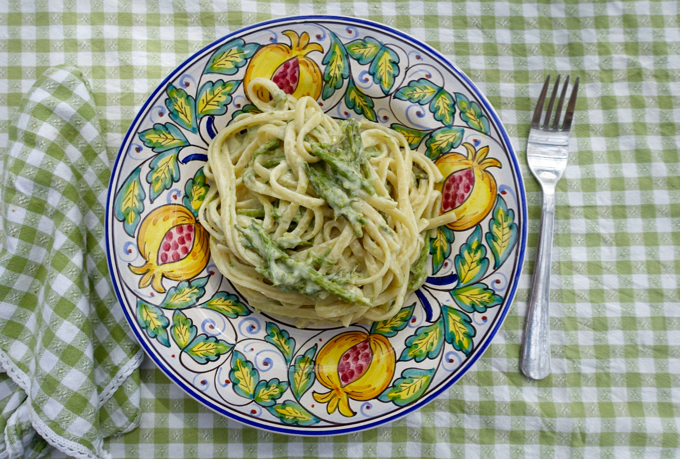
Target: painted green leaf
471	262
409	388
421	91
182	108
442	140
292	413
443	107
503	232
129	202
185	294
475	298
425	344
385	68
244	377
204	348
248	108
214	96
231	56
154	323
301	373
440	247
163	137
390	327
183	329
227	305
337	67
364	50
459	329
472	114
164	171
414	137
281	339
195	191
268	392
356	100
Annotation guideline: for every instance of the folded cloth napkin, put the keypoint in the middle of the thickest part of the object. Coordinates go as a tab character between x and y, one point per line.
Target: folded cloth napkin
71	363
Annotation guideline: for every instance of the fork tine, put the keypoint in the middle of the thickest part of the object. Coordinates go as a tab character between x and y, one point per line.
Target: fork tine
558	112
551	104
539	105
572	105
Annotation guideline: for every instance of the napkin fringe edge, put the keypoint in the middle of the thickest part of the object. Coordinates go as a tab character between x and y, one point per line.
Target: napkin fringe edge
62	444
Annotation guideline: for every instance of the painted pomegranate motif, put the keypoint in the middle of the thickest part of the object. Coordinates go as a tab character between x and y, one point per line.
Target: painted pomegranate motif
288	67
353	365
173	244
469	189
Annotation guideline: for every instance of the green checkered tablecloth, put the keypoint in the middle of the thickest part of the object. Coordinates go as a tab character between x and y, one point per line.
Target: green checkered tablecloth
615	318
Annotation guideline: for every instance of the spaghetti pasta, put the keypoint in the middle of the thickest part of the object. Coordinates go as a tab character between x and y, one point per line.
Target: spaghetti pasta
321	220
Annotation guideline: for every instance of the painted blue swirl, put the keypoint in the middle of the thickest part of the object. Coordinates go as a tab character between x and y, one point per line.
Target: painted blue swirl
158	111
322	36
255	410
351	32
365	408
475	138
136	152
364	80
174	195
383	118
499	285
211	328
184	84
130	252
251	324
504	190
419	113
219	379
239	101
341	115
274	37
262	363
451	361
200	382
416	55
425	73
479	319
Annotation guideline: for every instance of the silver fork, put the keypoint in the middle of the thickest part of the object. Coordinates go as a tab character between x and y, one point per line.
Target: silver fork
547	153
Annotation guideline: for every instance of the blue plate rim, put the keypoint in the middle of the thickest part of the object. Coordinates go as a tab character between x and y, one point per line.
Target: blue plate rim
521	248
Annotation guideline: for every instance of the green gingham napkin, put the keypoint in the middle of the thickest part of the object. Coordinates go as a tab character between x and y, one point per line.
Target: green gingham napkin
71	369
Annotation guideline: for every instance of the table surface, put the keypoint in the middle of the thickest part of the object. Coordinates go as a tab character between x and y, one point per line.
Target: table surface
615	386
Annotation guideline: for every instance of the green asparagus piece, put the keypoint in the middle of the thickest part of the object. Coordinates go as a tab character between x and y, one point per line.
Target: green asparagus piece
347	159
289	274
266	148
255	213
336	197
274	161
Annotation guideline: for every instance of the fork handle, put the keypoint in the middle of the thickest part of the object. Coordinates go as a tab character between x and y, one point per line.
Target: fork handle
535	359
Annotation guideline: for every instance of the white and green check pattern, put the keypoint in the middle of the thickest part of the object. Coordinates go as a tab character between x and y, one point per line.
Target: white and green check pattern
63	340
615	387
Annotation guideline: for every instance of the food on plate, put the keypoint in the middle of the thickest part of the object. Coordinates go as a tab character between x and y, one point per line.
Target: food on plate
322	220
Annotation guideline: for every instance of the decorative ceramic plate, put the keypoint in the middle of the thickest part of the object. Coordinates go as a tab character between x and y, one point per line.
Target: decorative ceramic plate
262	370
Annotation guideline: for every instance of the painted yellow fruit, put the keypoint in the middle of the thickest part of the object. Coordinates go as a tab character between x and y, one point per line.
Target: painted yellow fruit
174	245
353	365
469	189
287	66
